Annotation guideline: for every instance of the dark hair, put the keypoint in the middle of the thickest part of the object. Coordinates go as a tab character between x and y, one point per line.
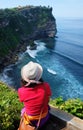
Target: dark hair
23	83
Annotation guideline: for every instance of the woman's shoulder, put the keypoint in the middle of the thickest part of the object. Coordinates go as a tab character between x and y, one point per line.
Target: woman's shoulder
48	89
21	88
46	84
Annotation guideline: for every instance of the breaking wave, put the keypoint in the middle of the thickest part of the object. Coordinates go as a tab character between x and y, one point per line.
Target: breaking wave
51	71
40	47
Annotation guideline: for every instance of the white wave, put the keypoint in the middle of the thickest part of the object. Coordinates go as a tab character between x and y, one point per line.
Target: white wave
20	56
32	53
40	47
4	76
51	71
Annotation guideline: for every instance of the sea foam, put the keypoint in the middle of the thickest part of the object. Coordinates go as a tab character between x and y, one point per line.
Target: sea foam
51	71
4	77
40	47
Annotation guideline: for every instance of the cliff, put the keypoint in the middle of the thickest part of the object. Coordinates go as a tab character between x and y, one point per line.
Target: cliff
18	26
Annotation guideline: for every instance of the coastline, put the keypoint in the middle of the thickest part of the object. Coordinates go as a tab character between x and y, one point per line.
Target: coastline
12	57
21	32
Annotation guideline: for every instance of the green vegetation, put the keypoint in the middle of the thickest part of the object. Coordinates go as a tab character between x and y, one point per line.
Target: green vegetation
72	106
9	108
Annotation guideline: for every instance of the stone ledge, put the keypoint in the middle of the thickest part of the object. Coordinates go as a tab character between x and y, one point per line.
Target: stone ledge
72	122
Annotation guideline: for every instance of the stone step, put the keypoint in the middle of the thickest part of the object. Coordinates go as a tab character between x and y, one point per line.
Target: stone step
65	121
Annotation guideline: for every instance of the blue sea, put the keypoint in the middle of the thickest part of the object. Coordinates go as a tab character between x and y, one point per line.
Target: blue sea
61	58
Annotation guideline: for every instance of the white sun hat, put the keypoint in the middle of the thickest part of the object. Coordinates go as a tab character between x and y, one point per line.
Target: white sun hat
31	72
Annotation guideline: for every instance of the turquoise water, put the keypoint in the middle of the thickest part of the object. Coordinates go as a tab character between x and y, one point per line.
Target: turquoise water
61	58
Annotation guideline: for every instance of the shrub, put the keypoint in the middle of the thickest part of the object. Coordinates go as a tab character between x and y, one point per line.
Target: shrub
73	106
9	108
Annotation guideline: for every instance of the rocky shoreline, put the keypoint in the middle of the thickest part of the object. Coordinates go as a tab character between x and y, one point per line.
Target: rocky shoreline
42	25
12	57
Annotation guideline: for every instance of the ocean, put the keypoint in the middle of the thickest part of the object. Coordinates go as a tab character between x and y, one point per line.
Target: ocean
61	58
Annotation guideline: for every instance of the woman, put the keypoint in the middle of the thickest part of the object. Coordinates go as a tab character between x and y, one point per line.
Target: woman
34	94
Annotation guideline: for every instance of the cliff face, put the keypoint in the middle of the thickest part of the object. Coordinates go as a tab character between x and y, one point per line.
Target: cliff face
41	21
20	24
